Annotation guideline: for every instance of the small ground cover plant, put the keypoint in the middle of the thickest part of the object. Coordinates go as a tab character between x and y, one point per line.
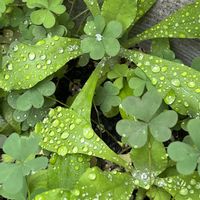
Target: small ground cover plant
86	114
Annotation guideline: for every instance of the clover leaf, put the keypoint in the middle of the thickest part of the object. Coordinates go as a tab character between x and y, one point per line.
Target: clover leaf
100	38
45	15
149	120
118	73
187	155
33	97
139	82
106	96
22	150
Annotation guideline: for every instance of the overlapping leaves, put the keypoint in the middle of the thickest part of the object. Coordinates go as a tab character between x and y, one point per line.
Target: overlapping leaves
186	154
149	119
177	83
45	15
21	151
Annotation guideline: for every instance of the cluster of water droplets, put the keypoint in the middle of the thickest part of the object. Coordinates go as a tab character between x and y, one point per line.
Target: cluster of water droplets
94	176
65	132
144	178
178	84
33	63
170	26
181	186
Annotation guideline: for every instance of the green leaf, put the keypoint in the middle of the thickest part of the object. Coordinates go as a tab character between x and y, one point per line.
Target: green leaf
196	63
54	194
20	148
119	70
35	165
95	182
185	156
193	129
140	108
72	127
134	133
184	23
106	97
142	7
156	193
8	173
23	102
36	62
93	6
174	81
123	11
161	124
46	88
151	157
63	172
181	187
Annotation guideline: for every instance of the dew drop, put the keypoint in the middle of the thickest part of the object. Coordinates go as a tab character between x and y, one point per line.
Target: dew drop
170	97
61	50
43	57
15	48
31	56
48	62
76	192
191	84
65	135
92	176
154	81
155	69
71	126
183	191
62	151
98	37
176	82
75	150
51	113
55	123
56	38
9	66
6	76
88	133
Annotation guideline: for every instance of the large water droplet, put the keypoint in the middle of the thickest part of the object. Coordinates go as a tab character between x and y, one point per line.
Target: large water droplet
9	66
55	123
76	192
170	97
65	135
154	81
7	76
31	56
183	191
92	176
43	57
191	84
88	133
176	82
75	150
62	151
61	50
71	126
155	69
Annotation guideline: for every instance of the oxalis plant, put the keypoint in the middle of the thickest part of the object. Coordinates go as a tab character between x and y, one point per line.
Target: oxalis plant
55	144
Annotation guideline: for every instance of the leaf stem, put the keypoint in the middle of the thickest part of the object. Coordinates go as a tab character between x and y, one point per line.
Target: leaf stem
80	14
